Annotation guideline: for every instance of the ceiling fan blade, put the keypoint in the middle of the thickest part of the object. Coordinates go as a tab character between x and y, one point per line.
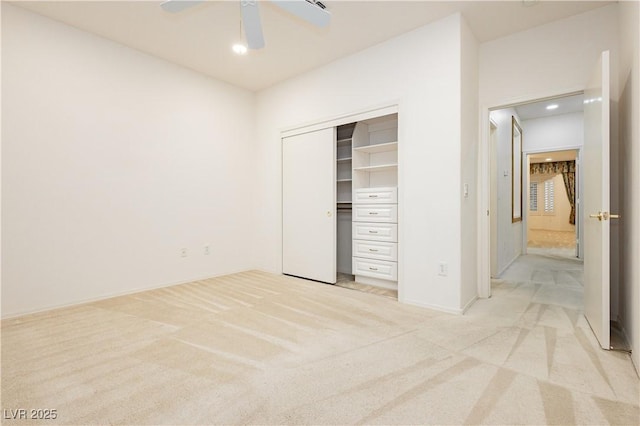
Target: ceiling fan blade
175	6
252	24
306	10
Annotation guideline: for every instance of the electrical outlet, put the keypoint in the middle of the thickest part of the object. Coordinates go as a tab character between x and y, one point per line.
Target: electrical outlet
183	252
442	269
207	249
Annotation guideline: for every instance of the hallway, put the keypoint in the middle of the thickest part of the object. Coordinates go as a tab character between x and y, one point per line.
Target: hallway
550	276
539	302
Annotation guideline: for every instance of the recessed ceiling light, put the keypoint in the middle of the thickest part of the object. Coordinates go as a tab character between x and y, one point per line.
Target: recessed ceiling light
552	106
239	49
548	159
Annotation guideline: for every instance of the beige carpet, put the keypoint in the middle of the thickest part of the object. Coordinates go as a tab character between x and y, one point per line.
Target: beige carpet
257	348
551	239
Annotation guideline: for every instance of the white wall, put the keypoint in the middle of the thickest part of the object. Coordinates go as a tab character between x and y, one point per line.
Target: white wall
421	71
629	172
469	166
112	162
509	232
554	133
551	59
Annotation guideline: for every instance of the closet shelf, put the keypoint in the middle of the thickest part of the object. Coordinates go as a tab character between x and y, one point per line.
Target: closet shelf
344	180
381	147
344	141
343	159
343	202
379	168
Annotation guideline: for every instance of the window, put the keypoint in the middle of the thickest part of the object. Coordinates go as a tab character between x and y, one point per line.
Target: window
533	196
548	196
542	196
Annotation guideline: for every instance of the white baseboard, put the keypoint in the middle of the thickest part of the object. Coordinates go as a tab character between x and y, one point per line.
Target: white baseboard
508	264
433	307
627	341
468	305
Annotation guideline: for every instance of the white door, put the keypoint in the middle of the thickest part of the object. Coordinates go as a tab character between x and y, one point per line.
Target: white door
308	205
596	201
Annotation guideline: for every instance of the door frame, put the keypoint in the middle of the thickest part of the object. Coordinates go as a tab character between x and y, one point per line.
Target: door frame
484	179
494	236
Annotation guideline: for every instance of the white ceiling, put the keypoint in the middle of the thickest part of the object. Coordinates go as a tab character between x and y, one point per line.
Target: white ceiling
566	105
200	38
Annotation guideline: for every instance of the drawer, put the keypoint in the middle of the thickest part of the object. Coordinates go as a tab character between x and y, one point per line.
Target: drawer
375	231
375	268
375	250
376	196
375	213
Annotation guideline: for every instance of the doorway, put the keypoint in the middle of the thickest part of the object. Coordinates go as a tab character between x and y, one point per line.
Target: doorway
595	149
551	204
534	218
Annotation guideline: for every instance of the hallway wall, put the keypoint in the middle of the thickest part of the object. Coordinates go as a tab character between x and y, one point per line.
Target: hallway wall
510	234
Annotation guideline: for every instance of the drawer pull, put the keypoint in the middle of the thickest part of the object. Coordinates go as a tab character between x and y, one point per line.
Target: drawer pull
373	212
373	249
373	196
373	232
372	268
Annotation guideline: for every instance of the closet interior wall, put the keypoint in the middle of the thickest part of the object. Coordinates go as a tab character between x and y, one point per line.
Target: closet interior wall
344	183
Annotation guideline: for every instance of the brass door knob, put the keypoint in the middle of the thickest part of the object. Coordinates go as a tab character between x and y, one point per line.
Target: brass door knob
604	216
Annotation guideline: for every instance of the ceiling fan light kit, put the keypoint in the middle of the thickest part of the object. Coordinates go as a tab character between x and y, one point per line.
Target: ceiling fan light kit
311	11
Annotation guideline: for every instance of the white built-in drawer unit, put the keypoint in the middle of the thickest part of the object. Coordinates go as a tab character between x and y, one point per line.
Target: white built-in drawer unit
376	250
375	202
376	195
375	231
375	213
380	269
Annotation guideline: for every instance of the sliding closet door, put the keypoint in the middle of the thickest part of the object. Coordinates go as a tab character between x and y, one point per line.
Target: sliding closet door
308	205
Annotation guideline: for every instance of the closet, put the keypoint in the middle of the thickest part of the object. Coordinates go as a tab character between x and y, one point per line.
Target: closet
340	202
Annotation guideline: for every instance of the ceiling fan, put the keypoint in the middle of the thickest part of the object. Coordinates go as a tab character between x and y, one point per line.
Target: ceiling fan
312	11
